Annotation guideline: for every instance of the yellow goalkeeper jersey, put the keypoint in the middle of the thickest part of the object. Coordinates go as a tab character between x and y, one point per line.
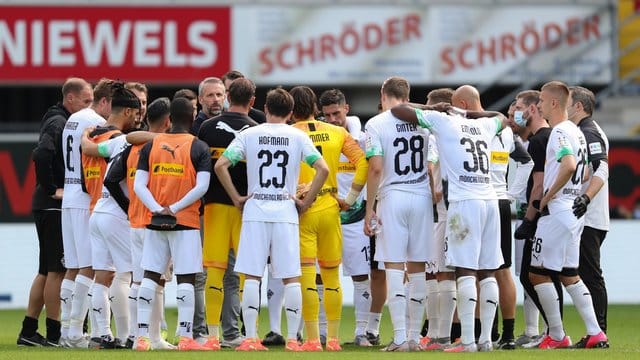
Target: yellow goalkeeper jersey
331	141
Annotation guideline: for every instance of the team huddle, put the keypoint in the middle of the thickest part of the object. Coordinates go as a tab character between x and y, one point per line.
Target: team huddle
416	208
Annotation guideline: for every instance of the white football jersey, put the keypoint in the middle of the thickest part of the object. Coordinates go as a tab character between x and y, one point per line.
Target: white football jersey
74	197
273	153
565	140
106	204
501	146
465	152
597	215
404	148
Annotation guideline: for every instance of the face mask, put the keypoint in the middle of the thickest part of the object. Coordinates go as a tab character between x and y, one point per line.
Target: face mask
519	119
226	104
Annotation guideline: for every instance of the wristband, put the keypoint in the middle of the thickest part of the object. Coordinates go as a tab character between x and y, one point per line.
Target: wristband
352	196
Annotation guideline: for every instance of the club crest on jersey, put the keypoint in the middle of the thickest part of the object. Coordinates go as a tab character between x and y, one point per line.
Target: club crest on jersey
168	169
92	172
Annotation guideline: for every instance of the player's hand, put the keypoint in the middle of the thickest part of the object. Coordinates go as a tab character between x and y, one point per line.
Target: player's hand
166	211
437	196
239	202
442	107
343	204
58	194
526	230
87	131
368	217
580	205
301	205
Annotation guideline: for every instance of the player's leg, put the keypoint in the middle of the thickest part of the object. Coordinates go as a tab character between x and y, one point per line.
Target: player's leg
506	285
355	263
329	259
308	256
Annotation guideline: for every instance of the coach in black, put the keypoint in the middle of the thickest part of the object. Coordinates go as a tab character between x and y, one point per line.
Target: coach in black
47	199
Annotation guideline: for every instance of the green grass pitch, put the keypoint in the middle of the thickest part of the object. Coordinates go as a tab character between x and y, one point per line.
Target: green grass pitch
624	336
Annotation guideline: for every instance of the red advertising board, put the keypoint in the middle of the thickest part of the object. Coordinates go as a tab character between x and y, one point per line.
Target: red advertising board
150	44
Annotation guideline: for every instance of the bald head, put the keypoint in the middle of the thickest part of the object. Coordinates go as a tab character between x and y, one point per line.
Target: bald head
467	97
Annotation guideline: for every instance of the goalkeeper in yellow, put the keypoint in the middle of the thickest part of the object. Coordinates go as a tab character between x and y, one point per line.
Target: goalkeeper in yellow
320	231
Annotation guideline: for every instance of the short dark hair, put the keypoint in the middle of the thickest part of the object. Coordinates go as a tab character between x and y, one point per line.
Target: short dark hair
529	97
73	85
121	97
241	91
332	96
396	87
304	102
185	93
440	95
158	109
181	112
279	102
102	90
585	97
232	75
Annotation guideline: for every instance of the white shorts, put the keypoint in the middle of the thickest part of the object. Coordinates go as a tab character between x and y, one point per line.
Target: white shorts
557	241
355	250
259	240
110	243
182	246
75	238
137	242
473	235
406	233
439	229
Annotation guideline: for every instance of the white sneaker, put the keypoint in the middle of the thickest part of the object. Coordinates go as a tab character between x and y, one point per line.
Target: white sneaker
80	343
485	346
162	345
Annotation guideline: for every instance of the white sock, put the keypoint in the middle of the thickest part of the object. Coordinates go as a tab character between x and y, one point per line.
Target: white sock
118	293
581	298
250	306
322	314
133	309
79	306
101	309
417	297
446	306
407	321
488	304
275	302
293	308
373	323
432	308
549	301
531	316
146	297
185	295
396	300
467	299
157	310
362	304
66	297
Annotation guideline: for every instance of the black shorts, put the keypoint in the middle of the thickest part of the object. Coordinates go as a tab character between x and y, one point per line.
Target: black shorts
49	229
505	232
